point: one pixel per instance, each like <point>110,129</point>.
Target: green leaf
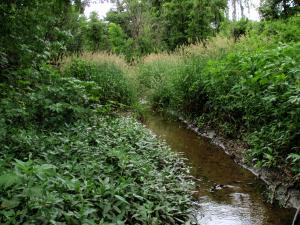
<point>9,179</point>
<point>121,199</point>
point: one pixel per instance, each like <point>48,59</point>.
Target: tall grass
<point>248,89</point>
<point>109,60</point>
<point>212,48</point>
<point>109,80</point>
<point>98,57</point>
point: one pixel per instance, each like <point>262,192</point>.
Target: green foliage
<point>42,97</point>
<point>294,158</point>
<point>154,78</point>
<point>45,100</point>
<point>239,29</point>
<point>274,9</point>
<point>110,83</point>
<point>152,26</point>
<point>249,91</point>
<point>106,82</point>
<point>279,30</point>
<point>117,38</point>
<point>102,170</point>
<point>191,21</point>
<point>120,16</point>
<point>50,30</point>
<point>34,31</point>
<point>67,157</point>
<point>96,33</point>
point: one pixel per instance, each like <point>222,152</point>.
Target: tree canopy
<point>274,9</point>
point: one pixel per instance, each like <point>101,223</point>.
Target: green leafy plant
<point>249,92</point>
<point>100,170</point>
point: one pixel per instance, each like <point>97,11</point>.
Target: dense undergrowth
<point>69,157</point>
<point>249,89</point>
<point>71,151</point>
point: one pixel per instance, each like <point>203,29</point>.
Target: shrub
<point>67,158</point>
<point>102,170</point>
<point>44,98</point>
<point>278,30</point>
<point>251,91</point>
<point>112,85</point>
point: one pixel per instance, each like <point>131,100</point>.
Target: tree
<point>205,19</point>
<point>35,31</point>
<point>190,21</point>
<point>136,20</point>
<point>77,43</point>
<point>117,38</point>
<point>175,15</point>
<point>96,33</point>
<point>274,9</point>
<point>119,16</point>
<point>153,25</point>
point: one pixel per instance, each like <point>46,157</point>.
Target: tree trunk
<point>234,2</point>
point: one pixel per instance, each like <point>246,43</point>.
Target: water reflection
<point>241,210</point>
<point>227,193</point>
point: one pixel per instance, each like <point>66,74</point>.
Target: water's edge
<point>284,193</point>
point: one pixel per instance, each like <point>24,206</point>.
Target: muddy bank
<point>282,187</point>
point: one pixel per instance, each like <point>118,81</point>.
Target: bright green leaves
<point>251,94</point>
<point>9,179</point>
<point>96,33</point>
<point>64,160</point>
<point>49,99</point>
<point>103,170</point>
<point>294,158</point>
<point>117,38</point>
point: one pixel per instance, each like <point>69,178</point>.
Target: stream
<point>226,193</point>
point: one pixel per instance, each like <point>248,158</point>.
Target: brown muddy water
<point>227,194</point>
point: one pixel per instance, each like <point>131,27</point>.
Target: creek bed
<point>226,193</point>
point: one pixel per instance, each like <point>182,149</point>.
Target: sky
<point>102,8</point>
<point>252,13</point>
<point>99,7</point>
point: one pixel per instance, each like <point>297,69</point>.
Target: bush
<point>239,29</point>
<point>66,157</point>
<point>44,98</point>
<point>249,91</point>
<point>112,84</point>
<point>47,98</point>
<point>278,30</point>
<point>101,171</point>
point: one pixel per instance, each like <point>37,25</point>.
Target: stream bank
<point>227,193</point>
<point>281,188</point>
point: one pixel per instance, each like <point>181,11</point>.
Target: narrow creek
<point>227,194</point>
